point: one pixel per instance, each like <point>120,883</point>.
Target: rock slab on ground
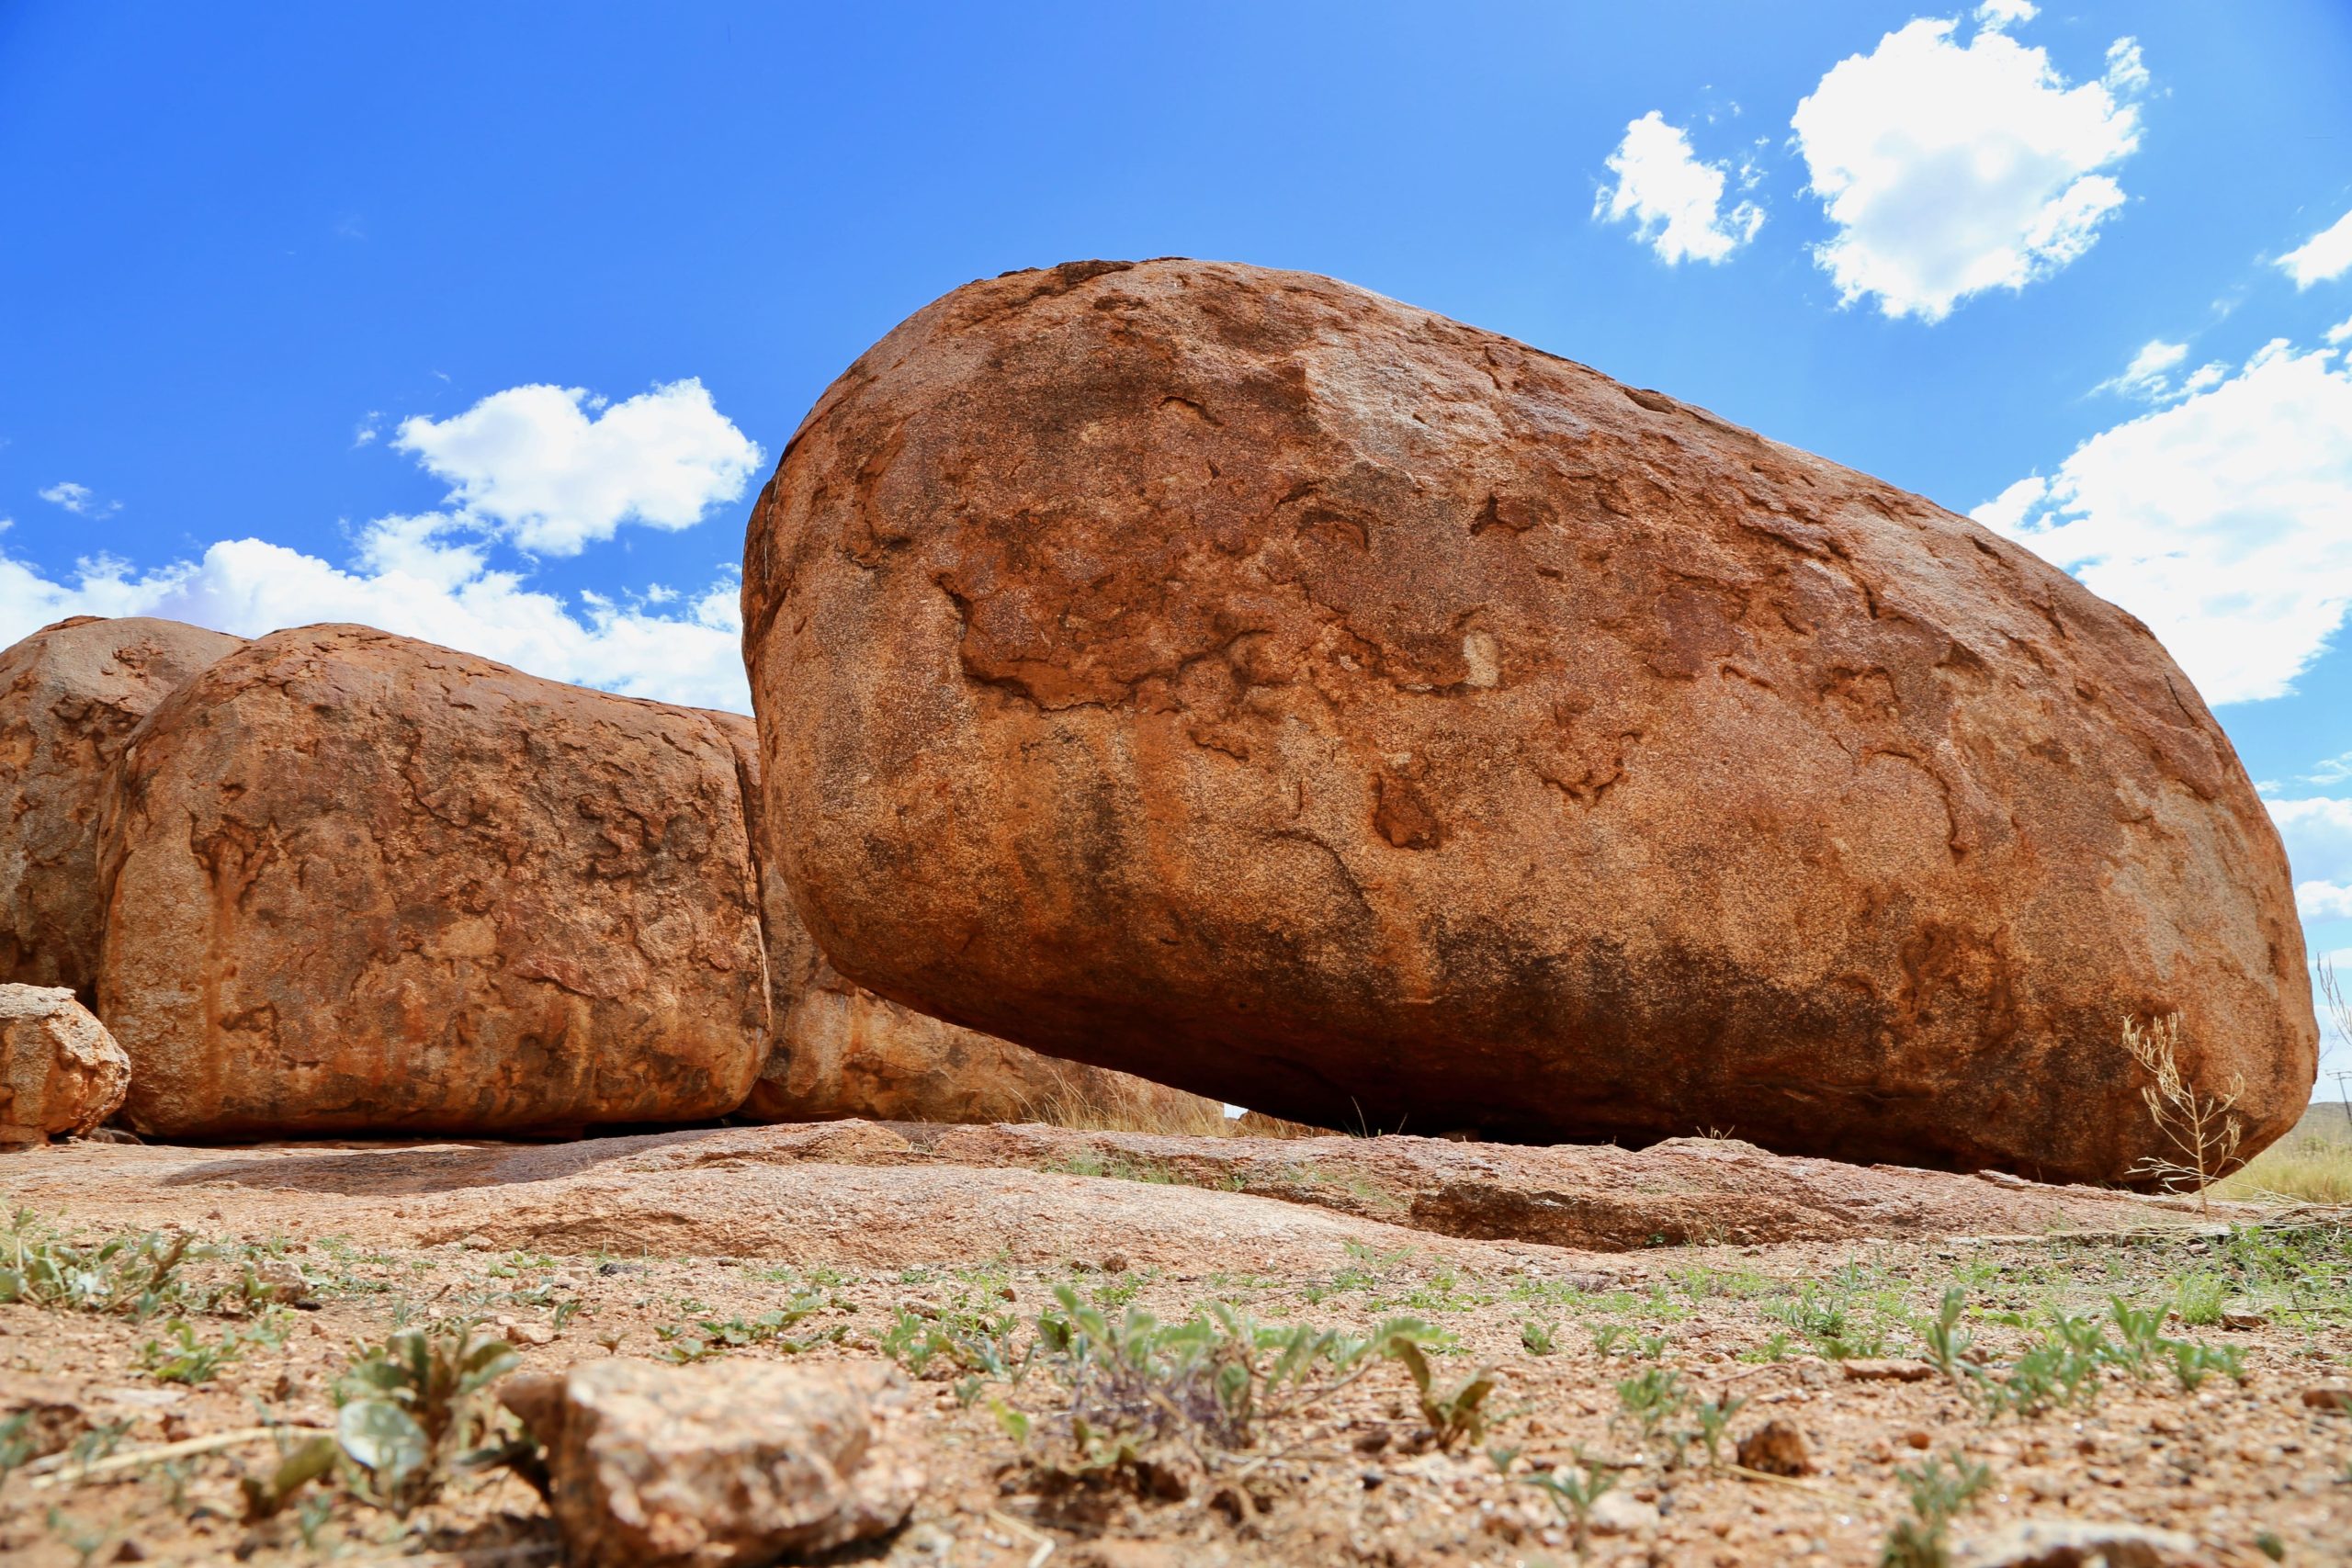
<point>851,1191</point>
<point>838,1050</point>
<point>60,1070</point>
<point>69,696</point>
<point>1237,677</point>
<point>358,881</point>
<point>719,1466</point>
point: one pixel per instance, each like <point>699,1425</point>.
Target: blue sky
<point>482,322</point>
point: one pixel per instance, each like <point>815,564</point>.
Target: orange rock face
<point>358,881</point>
<point>838,1050</point>
<point>1240,678</point>
<point>69,693</point>
<point>60,1070</point>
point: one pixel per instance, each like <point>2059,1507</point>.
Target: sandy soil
<point>891,1237</point>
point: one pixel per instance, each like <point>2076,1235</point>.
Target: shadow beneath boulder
<point>404,1170</point>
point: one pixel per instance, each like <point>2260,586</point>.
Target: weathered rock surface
<point>859,1193</point>
<point>837,1049</point>
<point>60,1070</point>
<point>358,881</point>
<point>1240,678</point>
<point>69,693</point>
<point>720,1465</point>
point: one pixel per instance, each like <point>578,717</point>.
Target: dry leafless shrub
<point>2203,1129</point>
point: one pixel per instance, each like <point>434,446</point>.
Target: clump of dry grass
<point>2304,1169</point>
<point>2313,1163</point>
<point>1118,1107</point>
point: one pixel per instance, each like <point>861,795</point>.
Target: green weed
<point>1574,1493</point>
<point>1937,1495</point>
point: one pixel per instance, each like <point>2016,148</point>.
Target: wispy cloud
<point>79,500</point>
<point>2325,257</point>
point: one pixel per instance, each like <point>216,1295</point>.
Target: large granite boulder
<point>1240,678</point>
<point>838,1050</point>
<point>69,693</point>
<point>60,1070</point>
<point>358,881</point>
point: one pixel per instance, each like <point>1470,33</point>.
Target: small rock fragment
<point>1866,1370</point>
<point>717,1466</point>
<point>60,1070</point>
<point>50,1410</point>
<point>2329,1396</point>
<point>1617,1514</point>
<point>2082,1543</point>
<point>281,1281</point>
<point>1776,1449</point>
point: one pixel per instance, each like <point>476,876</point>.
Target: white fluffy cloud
<point>529,468</point>
<point>408,580</point>
<point>2318,835</point>
<point>531,461</point>
<point>2326,255</point>
<point>2223,520</point>
<point>1674,201</point>
<point>1948,169</point>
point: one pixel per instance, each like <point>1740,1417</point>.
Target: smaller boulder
<point>60,1070</point>
<point>718,1466</point>
<point>69,694</point>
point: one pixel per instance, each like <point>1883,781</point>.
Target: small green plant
<point>181,1356</point>
<point>1574,1491</point>
<point>1650,1346</point>
<point>1949,1343</point>
<point>127,1275</point>
<point>1605,1338</point>
<point>1214,1380</point>
<point>1777,1346</point>
<point>298,1465</point>
<point>1937,1495</point>
<point>2193,1363</point>
<point>1714,1417</point>
<point>2139,1337</point>
<point>1828,1322</point>
<point>1538,1337</point>
<point>16,1442</point>
<point>83,1541</point>
<point>1458,1413</point>
<point>410,1405</point>
<point>1653,1400</point>
<point>712,1337</point>
<point>2201,1299</point>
